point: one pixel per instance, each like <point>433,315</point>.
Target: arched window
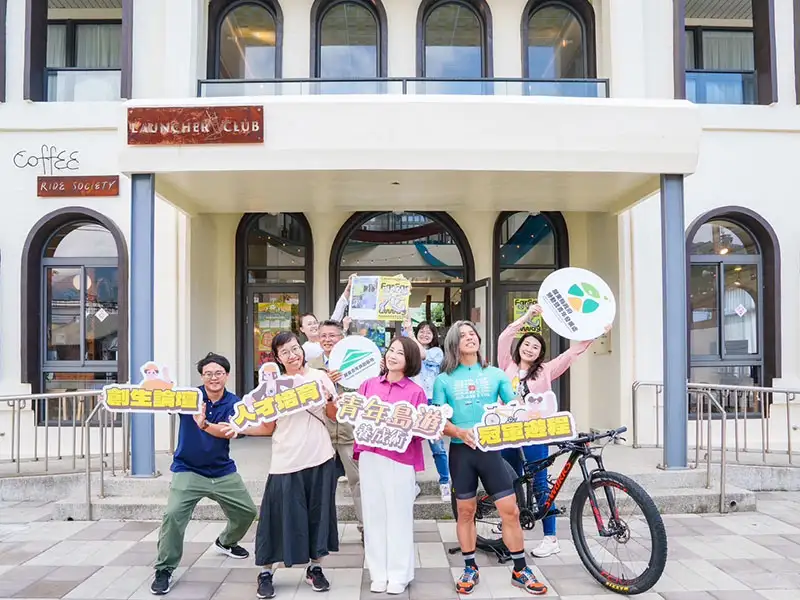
<point>455,40</point>
<point>527,248</point>
<point>349,39</point>
<point>732,276</point>
<point>75,267</point>
<point>244,39</point>
<point>558,42</point>
<point>274,285</point>
<point>430,249</point>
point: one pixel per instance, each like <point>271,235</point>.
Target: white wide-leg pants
<point>387,499</point>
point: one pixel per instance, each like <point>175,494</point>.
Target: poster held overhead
<point>577,304</point>
<point>521,306</point>
<point>394,294</point>
<point>364,298</point>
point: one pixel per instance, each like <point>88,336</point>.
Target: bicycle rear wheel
<point>624,530</point>
<point>487,519</point>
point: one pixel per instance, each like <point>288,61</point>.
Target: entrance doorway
<point>428,248</point>
<point>274,285</point>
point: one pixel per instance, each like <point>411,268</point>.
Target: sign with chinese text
<point>276,396</point>
<point>156,393</point>
<point>394,294</point>
<point>536,420</point>
<point>195,125</point>
<point>577,304</point>
<point>521,306</point>
<point>389,426</point>
<point>357,359</point>
<point>379,298</point>
<point>77,186</point>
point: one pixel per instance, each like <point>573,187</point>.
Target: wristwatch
<point>205,425</point>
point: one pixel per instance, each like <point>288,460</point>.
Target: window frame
<point>217,11</point>
<point>70,41</point>
<point>319,11</point>
<point>697,32</point>
<point>481,11</point>
<point>583,12</point>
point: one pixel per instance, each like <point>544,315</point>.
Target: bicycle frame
<point>579,453</point>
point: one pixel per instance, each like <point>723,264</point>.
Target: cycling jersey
<point>467,390</point>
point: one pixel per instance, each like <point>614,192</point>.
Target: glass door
<point>270,311</point>
<point>476,306</point>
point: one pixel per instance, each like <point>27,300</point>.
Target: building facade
<point>472,145</point>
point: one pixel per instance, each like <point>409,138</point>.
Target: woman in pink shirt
<point>388,477</point>
<point>530,374</point>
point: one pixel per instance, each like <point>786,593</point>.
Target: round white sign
<point>357,358</point>
<point>577,304</point>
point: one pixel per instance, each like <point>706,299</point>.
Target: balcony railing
<point>721,87</point>
<point>576,88</point>
<point>82,85</point>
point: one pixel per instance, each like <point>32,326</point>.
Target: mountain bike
<point>626,532</point>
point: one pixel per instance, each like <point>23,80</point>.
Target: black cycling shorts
<point>468,465</point>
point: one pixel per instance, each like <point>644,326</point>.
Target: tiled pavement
<point>745,556</point>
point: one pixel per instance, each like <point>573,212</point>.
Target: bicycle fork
<point>614,521</point>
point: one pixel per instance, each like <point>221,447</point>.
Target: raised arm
<point>506,339</point>
<point>344,300</point>
<point>408,329</point>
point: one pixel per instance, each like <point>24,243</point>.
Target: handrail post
<point>635,411</point>
<point>723,470</point>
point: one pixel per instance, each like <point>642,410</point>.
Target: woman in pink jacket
<point>530,374</point>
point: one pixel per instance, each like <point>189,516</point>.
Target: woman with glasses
<point>388,477</point>
<point>297,523</point>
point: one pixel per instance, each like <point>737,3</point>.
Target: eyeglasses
<point>296,350</point>
<point>214,375</point>
<point>331,336</point>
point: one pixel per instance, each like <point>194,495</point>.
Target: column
<point>673,266</point>
<point>623,21</point>
<point>143,204</point>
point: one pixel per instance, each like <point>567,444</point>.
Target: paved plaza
<point>741,556</point>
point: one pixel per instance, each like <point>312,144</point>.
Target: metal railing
<point>425,86</point>
<point>57,428</point>
<point>82,85</point>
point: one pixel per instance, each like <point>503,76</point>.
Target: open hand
<point>200,417</point>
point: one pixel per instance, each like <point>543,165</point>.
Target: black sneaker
<point>265,588</point>
<point>316,579</point>
<point>234,551</point>
<point>162,583</point>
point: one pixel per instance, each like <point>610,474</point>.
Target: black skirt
<point>297,522</point>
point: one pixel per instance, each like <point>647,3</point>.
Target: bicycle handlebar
<point>587,438</point>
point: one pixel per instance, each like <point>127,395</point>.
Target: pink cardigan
<point>551,370</point>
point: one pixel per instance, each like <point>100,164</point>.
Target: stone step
<point>159,486</point>
<point>139,508</point>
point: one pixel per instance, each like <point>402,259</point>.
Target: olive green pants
<point>186,490</point>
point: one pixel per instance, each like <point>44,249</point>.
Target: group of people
<point>297,519</point>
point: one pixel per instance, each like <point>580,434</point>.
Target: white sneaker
<point>416,490</point>
<point>444,489</point>
<point>395,589</point>
<point>377,587</point>
<point>548,547</point>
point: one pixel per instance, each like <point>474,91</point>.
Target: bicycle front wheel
<point>622,541</point>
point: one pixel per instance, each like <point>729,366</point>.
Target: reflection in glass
<point>453,42</point>
<point>247,43</point>
<point>740,309</point>
<point>409,243</point>
<point>272,313</point>
<point>741,375</point>
<point>555,44</point>
<point>81,240</point>
<point>723,238</point>
<point>348,43</point>
<point>278,240</point>
<point>526,239</point>
<point>63,314</point>
<point>101,297</point>
<point>703,297</point>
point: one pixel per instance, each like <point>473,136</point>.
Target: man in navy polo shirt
<point>202,468</point>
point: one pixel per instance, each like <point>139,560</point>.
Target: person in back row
<point>309,326</point>
<point>467,384</point>
<point>330,334</point>
<point>202,468</point>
